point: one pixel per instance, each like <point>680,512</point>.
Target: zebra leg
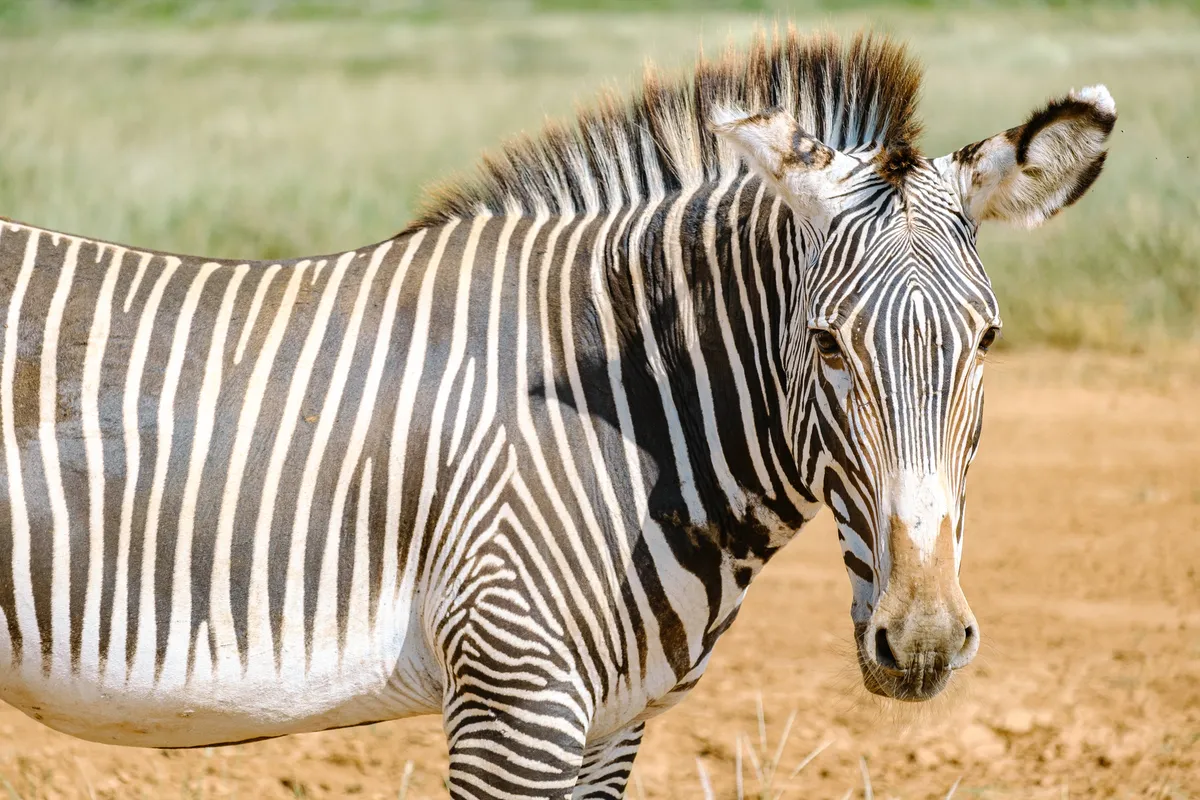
<point>607,764</point>
<point>505,744</point>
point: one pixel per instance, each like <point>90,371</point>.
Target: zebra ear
<point>1029,173</point>
<point>774,145</point>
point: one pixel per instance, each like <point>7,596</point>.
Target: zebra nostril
<point>883,651</point>
<point>969,647</point>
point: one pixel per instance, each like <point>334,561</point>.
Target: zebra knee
<point>607,765</point>
<point>501,746</point>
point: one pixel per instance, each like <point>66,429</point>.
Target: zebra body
<point>518,464</point>
<point>351,440</point>
<point>138,482</point>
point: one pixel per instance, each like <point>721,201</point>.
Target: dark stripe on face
<point>856,565</point>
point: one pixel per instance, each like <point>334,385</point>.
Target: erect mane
<point>859,95</point>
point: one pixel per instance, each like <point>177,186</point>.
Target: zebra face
<point>887,394</point>
<point>897,337</point>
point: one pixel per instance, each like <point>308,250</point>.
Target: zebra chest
<point>678,648</point>
<point>696,598</point>
<point>678,686</point>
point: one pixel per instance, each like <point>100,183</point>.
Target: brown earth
<point>1082,565</point>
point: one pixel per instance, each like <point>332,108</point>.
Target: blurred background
<point>266,129</point>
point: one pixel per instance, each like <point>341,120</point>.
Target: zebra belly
<point>228,703</point>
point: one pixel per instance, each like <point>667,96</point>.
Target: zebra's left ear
<point>1029,173</point>
<point>793,162</point>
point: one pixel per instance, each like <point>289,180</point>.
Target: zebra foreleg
<point>512,744</point>
<point>607,764</point>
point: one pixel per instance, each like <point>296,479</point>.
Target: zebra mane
<point>856,96</point>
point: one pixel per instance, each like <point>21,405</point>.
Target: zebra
<point>519,463</point>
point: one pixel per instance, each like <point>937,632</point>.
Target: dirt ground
<point>1082,565</point>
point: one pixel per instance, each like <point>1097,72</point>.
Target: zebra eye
<point>826,343</point>
<point>988,339</point>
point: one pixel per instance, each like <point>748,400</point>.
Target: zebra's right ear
<point>773,144</point>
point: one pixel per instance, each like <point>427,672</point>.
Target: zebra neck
<point>702,302</point>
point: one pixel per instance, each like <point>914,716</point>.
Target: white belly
<point>228,702</point>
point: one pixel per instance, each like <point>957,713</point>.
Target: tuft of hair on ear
<point>769,139</point>
<point>1092,107</point>
<point>895,162</point>
<point>724,118</point>
<point>1085,118</point>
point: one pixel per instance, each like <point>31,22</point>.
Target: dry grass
<point>759,771</point>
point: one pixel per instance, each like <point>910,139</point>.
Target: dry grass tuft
<point>763,762</point>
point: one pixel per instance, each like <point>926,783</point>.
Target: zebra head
<point>887,346</point>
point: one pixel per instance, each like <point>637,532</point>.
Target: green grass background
<point>260,129</point>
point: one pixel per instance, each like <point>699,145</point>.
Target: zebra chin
<point>924,679</point>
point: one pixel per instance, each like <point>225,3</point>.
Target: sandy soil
<point>1082,565</point>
